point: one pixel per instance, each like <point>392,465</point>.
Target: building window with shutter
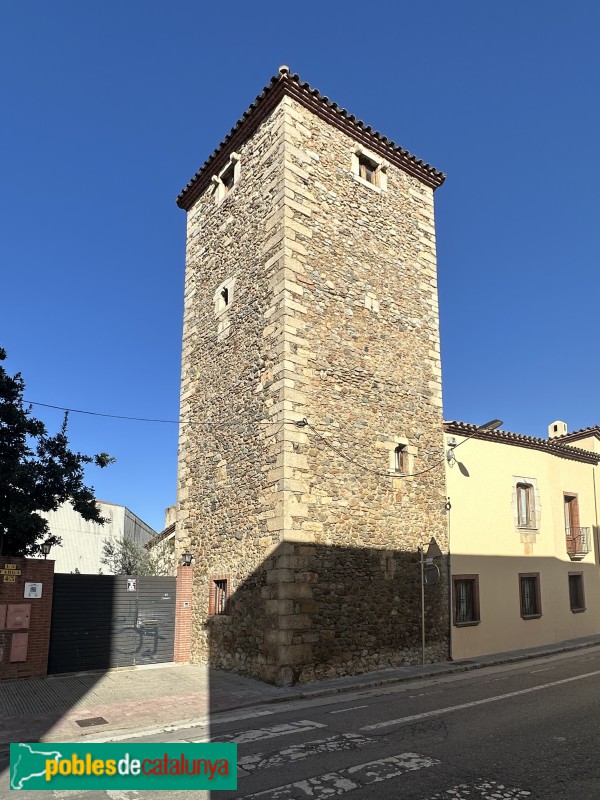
<point>525,505</point>
<point>530,597</point>
<point>466,599</point>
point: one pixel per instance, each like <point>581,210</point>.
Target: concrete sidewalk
<point>134,700</point>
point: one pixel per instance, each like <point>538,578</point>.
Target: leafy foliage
<point>38,472</point>
<point>125,557</point>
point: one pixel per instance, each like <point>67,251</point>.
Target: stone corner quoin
<point>330,314</point>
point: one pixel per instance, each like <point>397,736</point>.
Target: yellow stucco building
<point>523,532</point>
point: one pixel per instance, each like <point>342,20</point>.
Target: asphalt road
<point>527,730</point>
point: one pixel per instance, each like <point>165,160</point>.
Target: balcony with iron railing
<point>579,542</point>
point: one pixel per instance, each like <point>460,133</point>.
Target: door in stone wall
<point>104,621</point>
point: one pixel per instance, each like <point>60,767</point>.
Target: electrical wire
<point>305,424</point>
<point>150,419</point>
<point>99,414</point>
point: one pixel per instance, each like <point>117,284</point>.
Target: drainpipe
<point>448,509</point>
<point>597,555</point>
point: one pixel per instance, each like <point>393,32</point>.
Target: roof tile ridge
<point>579,431</point>
<point>284,77</point>
<point>551,444</point>
<point>361,124</point>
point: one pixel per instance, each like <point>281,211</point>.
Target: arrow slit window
<point>401,459</point>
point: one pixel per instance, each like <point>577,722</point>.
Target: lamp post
<point>46,549</point>
<point>186,558</point>
<point>487,426</point>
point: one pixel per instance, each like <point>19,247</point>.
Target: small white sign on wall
<point>33,590</point>
<point>131,584</point>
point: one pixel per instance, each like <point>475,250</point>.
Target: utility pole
<point>422,561</point>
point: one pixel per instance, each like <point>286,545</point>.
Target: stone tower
<point>311,385</point>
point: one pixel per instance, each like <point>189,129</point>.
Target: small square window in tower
<point>228,179</point>
<point>401,459</point>
<point>368,170</point>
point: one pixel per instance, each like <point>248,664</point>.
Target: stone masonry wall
<point>227,494</point>
<point>334,319</point>
<point>362,364</point>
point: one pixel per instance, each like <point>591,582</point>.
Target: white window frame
<point>534,503</point>
<point>220,190</point>
<point>381,166</point>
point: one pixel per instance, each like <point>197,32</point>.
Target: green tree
<point>38,472</point>
<point>126,557</point>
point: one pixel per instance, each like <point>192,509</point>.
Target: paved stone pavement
<point>133,700</point>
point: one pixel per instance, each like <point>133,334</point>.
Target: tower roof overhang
<point>290,85</point>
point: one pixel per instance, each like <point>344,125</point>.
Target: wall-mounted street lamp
<point>492,425</point>
<point>46,549</point>
<point>186,559</point>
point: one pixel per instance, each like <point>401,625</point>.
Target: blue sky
<point>109,108</point>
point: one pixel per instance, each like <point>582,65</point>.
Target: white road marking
<point>439,711</point>
<point>545,669</point>
<point>486,790</point>
<point>343,710</point>
<point>284,729</point>
<point>205,723</point>
<point>346,780</point>
<point>298,752</point>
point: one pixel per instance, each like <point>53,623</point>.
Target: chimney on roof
<point>170,515</point>
<point>557,429</point>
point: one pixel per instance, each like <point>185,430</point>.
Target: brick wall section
<point>183,614</point>
<point>11,594</point>
<point>335,319</point>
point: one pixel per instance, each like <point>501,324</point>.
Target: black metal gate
<point>103,621</point>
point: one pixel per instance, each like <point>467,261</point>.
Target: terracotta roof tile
<point>582,433</point>
<point>554,446</point>
<point>285,83</point>
<point>160,536</point>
